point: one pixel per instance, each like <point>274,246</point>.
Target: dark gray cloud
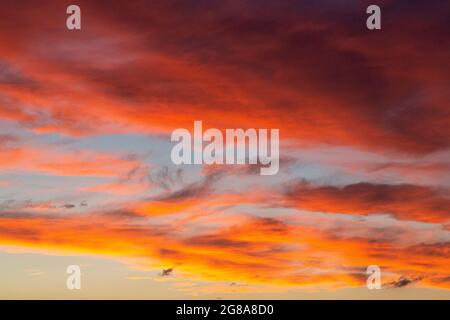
<point>6,140</point>
<point>166,178</point>
<point>166,272</point>
<point>403,281</point>
<point>68,206</point>
<point>194,190</point>
<point>11,75</point>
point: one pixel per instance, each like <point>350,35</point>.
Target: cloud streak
<point>363,117</point>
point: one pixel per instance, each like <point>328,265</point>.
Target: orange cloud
<point>66,163</point>
<point>314,74</point>
<point>253,250</point>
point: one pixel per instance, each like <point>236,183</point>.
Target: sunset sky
<point>86,176</point>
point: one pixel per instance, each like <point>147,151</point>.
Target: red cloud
<point>406,202</point>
